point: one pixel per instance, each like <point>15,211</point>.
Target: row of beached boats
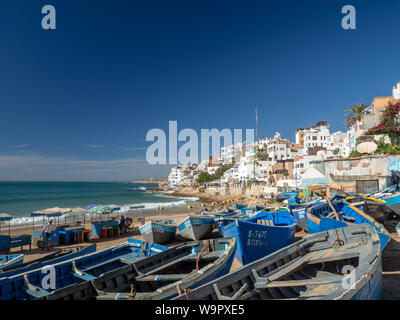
<point>340,257</point>
<point>315,267</point>
<point>164,231</point>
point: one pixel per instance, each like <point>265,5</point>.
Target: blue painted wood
<point>7,242</point>
<point>67,233</point>
<point>92,264</point>
<point>158,231</point>
<point>393,202</point>
<point>317,220</point>
<point>196,228</point>
<point>256,240</point>
<point>53,258</point>
<point>10,260</point>
<point>97,226</point>
<point>217,262</point>
<point>317,258</point>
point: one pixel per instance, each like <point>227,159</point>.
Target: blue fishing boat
<point>313,268</point>
<point>225,213</point>
<point>299,210</point>
<point>322,217</point>
<point>195,228</point>
<point>247,210</point>
<point>77,271</point>
<point>286,195</point>
<point>393,203</point>
<point>10,260</point>
<point>376,208</point>
<point>259,235</point>
<point>160,276</point>
<point>159,231</point>
<point>296,203</point>
<point>49,259</point>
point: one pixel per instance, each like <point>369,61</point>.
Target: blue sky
<point>76,102</point>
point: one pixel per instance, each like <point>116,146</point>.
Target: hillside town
<point>318,157</point>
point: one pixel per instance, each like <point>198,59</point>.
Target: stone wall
<point>347,171</point>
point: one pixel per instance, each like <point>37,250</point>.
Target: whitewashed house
<point>316,136</point>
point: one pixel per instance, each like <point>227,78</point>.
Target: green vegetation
<point>205,177</point>
<point>354,154</point>
<point>390,124</point>
<point>387,148</point>
<point>354,114</point>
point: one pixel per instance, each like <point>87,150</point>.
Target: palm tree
<point>354,113</point>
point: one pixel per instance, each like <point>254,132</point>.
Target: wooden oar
<point>301,283</point>
<point>332,207</point>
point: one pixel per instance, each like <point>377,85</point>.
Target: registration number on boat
<point>257,238</point>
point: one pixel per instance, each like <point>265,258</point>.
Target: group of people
<point>124,225</point>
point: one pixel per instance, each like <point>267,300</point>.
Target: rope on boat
<point>207,246</point>
<point>143,249</point>
<point>133,292</point>
<point>146,251</point>
<point>338,243</point>
<point>185,292</point>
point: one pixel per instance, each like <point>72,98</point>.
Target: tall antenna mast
<point>256,122</point>
<point>254,149</point>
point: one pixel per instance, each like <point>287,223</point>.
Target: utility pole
<point>256,122</point>
<point>254,148</point>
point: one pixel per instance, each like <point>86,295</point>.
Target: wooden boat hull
<point>256,240</point>
<point>398,229</point>
<point>10,260</point>
<point>315,267</point>
<point>393,202</point>
<point>55,257</point>
<point>196,228</point>
<point>28,285</point>
<point>301,218</point>
<point>142,280</point>
<point>376,208</point>
<point>159,233</point>
<point>317,220</point>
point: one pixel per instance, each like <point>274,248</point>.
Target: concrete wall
<point>345,171</point>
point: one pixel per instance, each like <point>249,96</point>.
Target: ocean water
<point>21,198</point>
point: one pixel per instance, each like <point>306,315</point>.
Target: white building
<point>396,91</point>
<point>231,175</point>
<point>335,143</point>
<point>279,149</point>
<point>302,164</point>
<point>231,153</point>
<point>316,136</point>
<point>175,177</point>
<point>246,167</point>
<point>312,177</point>
<point>212,169</point>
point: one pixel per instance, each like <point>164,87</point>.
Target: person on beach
<point>395,179</point>
<point>48,229</point>
<point>121,224</point>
